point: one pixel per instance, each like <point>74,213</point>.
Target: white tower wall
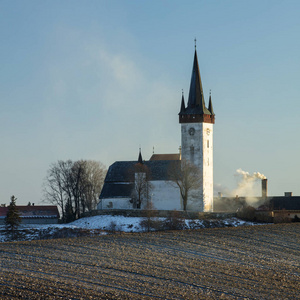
<point>197,147</point>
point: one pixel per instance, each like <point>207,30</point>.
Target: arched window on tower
<point>192,150</point>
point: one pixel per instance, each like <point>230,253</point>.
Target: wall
<point>117,203</point>
<point>41,221</point>
<point>280,216</point>
<point>202,156</point>
<point>165,196</point>
<point>159,213</point>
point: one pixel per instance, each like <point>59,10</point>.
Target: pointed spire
<point>140,159</point>
<point>196,97</point>
<point>182,108</point>
<point>210,106</point>
<point>196,111</point>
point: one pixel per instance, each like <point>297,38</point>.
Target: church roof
<point>182,108</point>
<point>123,171</point>
<point>210,107</point>
<point>196,104</point>
<point>175,156</point>
<point>196,111</point>
<point>119,180</point>
<point>140,159</point>
<point>115,190</point>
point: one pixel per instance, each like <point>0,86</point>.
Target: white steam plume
<point>248,188</point>
<point>248,184</point>
<point>248,176</point>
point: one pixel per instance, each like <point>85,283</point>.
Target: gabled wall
<point>165,196</point>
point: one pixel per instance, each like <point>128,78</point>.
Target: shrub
<point>174,221</point>
<point>149,223</point>
<point>296,219</point>
<point>247,213</point>
<point>113,227</point>
<point>282,218</point>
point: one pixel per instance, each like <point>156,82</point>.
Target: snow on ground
<point>127,224</point>
<point>117,223</point>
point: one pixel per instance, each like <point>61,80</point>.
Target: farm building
<point>31,214</point>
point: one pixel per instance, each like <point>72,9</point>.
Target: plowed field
<point>255,262</point>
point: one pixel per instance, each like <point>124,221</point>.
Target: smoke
<point>248,191</point>
<point>247,176</point>
<point>248,185</point>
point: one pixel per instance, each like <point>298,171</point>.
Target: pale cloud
<point>109,102</point>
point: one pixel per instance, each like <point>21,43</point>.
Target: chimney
<point>288,194</point>
<point>264,188</point>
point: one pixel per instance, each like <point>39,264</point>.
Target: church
<point>136,184</point>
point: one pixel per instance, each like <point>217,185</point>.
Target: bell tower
<point>197,140</point>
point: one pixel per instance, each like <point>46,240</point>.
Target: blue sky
<point>98,79</point>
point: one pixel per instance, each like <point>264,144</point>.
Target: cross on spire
<point>195,43</point>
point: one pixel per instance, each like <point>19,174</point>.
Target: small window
<point>207,143</point>
<point>192,154</point>
<point>192,149</point>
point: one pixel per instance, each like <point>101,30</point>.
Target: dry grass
<point>258,262</point>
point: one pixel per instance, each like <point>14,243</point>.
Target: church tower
<point>197,140</point>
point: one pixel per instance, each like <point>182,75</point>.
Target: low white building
<point>123,183</point>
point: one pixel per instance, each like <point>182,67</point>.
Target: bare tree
<point>74,186</point>
<point>55,187</point>
<point>148,222</point>
<point>186,176</point>
<point>95,175</point>
<point>142,186</point>
<point>77,186</point>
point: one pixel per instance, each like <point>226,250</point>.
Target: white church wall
<point>115,203</point>
<point>165,196</point>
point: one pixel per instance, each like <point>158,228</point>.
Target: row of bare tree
<point>74,186</point>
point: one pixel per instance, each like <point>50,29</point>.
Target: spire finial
<point>182,92</point>
<point>153,150</point>
<point>195,43</point>
<point>209,93</point>
<point>140,159</point>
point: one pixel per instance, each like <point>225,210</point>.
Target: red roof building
<point>31,214</point>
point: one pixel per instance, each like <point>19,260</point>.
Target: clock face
<point>192,131</point>
<point>207,131</point>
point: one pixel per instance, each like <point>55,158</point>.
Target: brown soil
<point>255,262</point>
